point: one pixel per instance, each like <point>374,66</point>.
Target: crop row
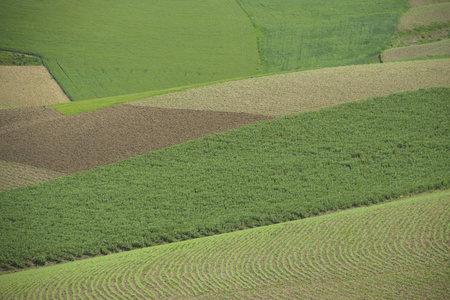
<point>274,171</point>
<point>396,249</point>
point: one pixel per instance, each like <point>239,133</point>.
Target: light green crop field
<point>96,49</point>
<point>99,48</point>
<point>396,250</point>
<point>274,171</point>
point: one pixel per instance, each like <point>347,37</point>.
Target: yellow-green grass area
<point>14,175</point>
<point>430,50</point>
<point>425,15</point>
<point>291,93</point>
<point>28,86</point>
<point>394,250</point>
<point>99,49</point>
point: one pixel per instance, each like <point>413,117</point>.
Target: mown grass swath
<point>305,34</point>
<point>96,49</point>
<point>393,250</point>
<point>275,171</point>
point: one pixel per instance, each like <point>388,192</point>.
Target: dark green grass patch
<point>274,171</point>
<point>8,58</point>
<point>309,34</point>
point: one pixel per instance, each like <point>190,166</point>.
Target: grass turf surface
<point>393,250</point>
<point>95,49</point>
<point>285,169</point>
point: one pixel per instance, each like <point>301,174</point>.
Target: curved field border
<point>396,250</point>
<point>22,86</point>
<point>291,93</point>
<point>14,175</point>
<point>441,48</point>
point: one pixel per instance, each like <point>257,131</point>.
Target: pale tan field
<point>418,51</point>
<point>415,3</point>
<point>284,94</point>
<point>425,15</point>
<point>14,175</point>
<point>22,86</point>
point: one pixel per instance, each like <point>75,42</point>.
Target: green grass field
<point>396,250</point>
<point>96,49</point>
<point>274,171</point>
<point>311,34</point>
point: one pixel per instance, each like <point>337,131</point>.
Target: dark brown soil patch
<point>43,138</point>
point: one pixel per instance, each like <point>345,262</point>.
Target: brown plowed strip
<point>76,143</point>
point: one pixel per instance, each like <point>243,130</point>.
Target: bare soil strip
<point>22,86</point>
<point>46,139</point>
<point>415,3</point>
<point>425,15</point>
<point>14,175</point>
<point>290,93</point>
<point>418,51</point>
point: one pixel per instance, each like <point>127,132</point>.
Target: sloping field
<point>290,93</point>
<point>397,250</point>
<point>273,171</point>
<point>430,50</point>
<point>311,34</point>
<point>425,15</point>
<point>96,49</point>
<point>28,86</point>
<point>46,139</point>
<point>14,175</point>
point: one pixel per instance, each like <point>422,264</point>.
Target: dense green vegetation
<point>274,171</point>
<point>96,49</point>
<point>395,250</point>
<point>305,34</point>
<point>8,58</point>
<point>99,49</point>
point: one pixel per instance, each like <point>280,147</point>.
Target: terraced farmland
<point>273,171</point>
<point>393,250</point>
<point>154,45</point>
<point>290,93</point>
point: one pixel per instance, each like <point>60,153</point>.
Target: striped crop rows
<point>13,175</point>
<point>398,249</point>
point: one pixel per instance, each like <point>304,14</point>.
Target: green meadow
<point>275,171</point>
<point>396,250</point>
<point>97,49</point>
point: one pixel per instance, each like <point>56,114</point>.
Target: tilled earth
<point>44,138</point>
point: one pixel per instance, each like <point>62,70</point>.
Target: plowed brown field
<point>44,138</point>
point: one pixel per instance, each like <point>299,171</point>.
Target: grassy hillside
<point>285,169</point>
<point>425,51</point>
<point>99,48</point>
<point>305,34</point>
<point>96,49</point>
<point>396,250</point>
